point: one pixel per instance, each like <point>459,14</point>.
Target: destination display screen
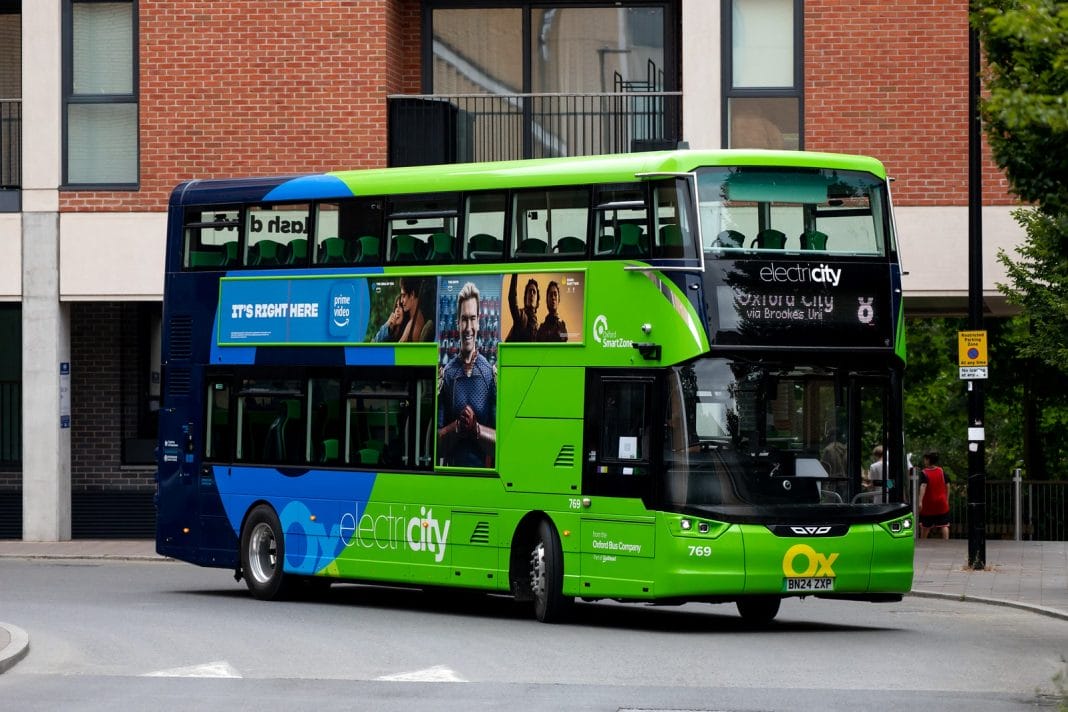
<point>800,303</point>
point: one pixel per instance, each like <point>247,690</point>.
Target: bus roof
<point>581,170</point>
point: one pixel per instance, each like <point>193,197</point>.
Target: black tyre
<point>547,576</point>
<point>759,610</point>
<point>262,554</point>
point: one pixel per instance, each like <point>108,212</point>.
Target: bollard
<point>1017,505</point>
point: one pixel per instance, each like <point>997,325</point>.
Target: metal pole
<point>1017,505</point>
<point>976,403</point>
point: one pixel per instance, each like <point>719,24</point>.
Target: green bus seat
<point>570,246</point>
<point>332,251</point>
<point>484,247</point>
<point>630,241</point>
<point>367,249</point>
<point>770,239</point>
<point>329,451</point>
<point>441,247</point>
<point>265,253</point>
<point>297,251</point>
<point>671,241</point>
<point>204,258</point>
<point>729,238</point>
<point>531,246</point>
<point>813,240</point>
<point>406,248</point>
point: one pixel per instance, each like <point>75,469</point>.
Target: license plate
<point>823,583</point>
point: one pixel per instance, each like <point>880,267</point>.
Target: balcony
<point>10,154</point>
<point>459,128</point>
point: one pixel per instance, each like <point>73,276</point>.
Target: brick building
<point>105,106</point>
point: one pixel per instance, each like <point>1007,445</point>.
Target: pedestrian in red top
<point>934,497</point>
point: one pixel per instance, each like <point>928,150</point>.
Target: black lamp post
<point>976,403</point>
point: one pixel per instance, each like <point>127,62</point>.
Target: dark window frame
<point>797,91</point>
<point>234,377</point>
<point>70,98</point>
<point>672,44</point>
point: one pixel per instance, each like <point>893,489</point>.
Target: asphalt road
<point>108,635</point>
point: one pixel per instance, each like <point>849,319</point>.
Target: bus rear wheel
<point>262,554</point>
<point>547,576</point>
<point>759,610</point>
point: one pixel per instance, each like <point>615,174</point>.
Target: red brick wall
<point>99,382</point>
<point>890,79</point>
<point>261,88</point>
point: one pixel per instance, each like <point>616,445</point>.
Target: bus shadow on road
<point>687,618</point>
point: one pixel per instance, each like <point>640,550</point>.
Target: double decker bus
<point>654,378</point>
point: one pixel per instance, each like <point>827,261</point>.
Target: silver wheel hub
<point>538,575</point>
<point>262,553</point>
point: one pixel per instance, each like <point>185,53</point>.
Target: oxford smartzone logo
<point>606,337</point>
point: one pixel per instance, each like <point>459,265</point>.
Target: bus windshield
<point>785,209</point>
<point>751,434</point>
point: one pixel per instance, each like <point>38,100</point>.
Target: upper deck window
<point>276,235</point>
<point>549,222</point>
<point>211,238</point>
<point>775,210</point>
<point>422,228</point>
<point>621,221</point>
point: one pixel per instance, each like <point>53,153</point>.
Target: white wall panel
<point>111,256</point>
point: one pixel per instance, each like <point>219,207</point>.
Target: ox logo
<point>816,564</point>
<point>810,531</point>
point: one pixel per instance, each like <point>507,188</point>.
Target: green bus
<point>654,377</point>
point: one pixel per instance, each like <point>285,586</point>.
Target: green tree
<point>1026,402</point>
<point>1025,116</point>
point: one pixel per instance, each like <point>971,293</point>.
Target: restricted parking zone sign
<point>972,354</point>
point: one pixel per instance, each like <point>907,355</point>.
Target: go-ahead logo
<point>814,563</point>
<point>606,337</point>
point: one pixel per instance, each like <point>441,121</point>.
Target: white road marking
<point>438,673</point>
<point>219,668</point>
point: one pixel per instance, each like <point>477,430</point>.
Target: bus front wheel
<point>759,610</point>
<point>262,553</point>
<point>547,576</point>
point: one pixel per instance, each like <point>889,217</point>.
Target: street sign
<point>972,354</point>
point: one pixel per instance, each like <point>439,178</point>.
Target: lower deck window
<point>378,419</point>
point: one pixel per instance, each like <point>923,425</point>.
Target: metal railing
<point>10,143</point>
<point>10,422</point>
<point>1017,509</point>
<point>457,128</point>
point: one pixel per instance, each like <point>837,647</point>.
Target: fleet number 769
<point>700,551</point>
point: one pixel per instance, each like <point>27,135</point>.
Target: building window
<point>100,93</point>
<point>762,74</point>
<point>542,78</point>
<point>536,46</point>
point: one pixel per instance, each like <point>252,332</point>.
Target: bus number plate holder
<point>823,583</point>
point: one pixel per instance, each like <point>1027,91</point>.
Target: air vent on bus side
<point>481,534</point>
<point>566,457</point>
<point>181,338</point>
<point>179,380</point>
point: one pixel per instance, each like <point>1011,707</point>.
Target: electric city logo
<point>800,274</point>
<point>385,529</point>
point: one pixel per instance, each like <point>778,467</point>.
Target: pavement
<point>1029,575</point>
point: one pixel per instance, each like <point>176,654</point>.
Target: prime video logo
<point>342,304</point>
<point>799,274</point>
